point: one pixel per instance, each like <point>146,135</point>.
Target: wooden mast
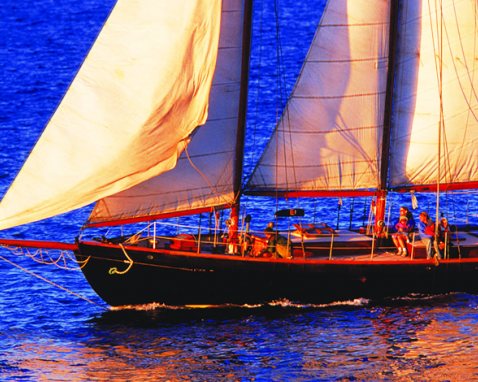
<point>240,137</point>
<point>385,158</point>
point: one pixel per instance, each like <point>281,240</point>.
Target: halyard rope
<point>114,270</point>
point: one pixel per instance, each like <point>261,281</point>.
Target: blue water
<point>50,333</point>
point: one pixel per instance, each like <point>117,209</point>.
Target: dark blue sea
<point>53,327</point>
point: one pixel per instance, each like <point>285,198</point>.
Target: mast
<point>246,45</point>
<point>385,158</point>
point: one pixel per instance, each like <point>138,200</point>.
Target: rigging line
<point>439,73</point>
<point>287,136</point>
<point>472,88</point>
<point>473,92</point>
<point>257,93</point>
<point>206,179</point>
<point>256,154</point>
<point>279,55</point>
<point>434,38</point>
<point>38,257</point>
<point>441,123</point>
<point>49,281</point>
<point>284,121</point>
<point>442,138</point>
<point>281,95</point>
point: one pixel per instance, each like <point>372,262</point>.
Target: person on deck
<point>231,236</point>
<point>404,226</point>
<point>277,245</point>
<point>426,229</point>
<point>443,239</point>
<point>271,242</point>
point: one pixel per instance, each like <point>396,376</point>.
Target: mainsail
<point>204,175</point>
<point>329,137</point>
<point>142,90</point>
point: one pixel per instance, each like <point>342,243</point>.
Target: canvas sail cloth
<point>433,40</point>
<point>329,137</point>
<point>142,90</point>
<point>204,175</point>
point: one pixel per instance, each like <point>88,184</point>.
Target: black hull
<point>175,278</point>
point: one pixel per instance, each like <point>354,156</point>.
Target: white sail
<point>436,40</point>
<point>204,174</point>
<point>142,90</point>
<point>329,137</point>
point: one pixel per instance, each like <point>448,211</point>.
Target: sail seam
<point>353,25</point>
<point>341,96</point>
<point>302,132</point>
<point>348,60</point>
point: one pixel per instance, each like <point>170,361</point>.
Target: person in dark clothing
<point>277,245</point>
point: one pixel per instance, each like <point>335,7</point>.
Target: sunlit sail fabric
<point>448,43</point>
<point>142,90</point>
<point>329,137</point>
<point>204,173</point>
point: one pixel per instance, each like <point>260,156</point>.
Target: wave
<point>282,303</point>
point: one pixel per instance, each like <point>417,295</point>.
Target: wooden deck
<point>352,246</point>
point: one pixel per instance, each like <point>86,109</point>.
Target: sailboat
<point>153,128</point>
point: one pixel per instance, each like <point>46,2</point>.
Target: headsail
<point>205,172</point>
<point>436,41</point>
<point>329,137</point>
<point>140,93</point>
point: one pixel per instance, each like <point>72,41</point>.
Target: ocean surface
<point>53,327</point>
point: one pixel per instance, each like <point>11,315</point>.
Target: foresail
<point>329,137</point>
<point>204,176</point>
<point>142,90</point>
<point>436,41</point>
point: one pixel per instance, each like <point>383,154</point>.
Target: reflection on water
<point>400,339</point>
